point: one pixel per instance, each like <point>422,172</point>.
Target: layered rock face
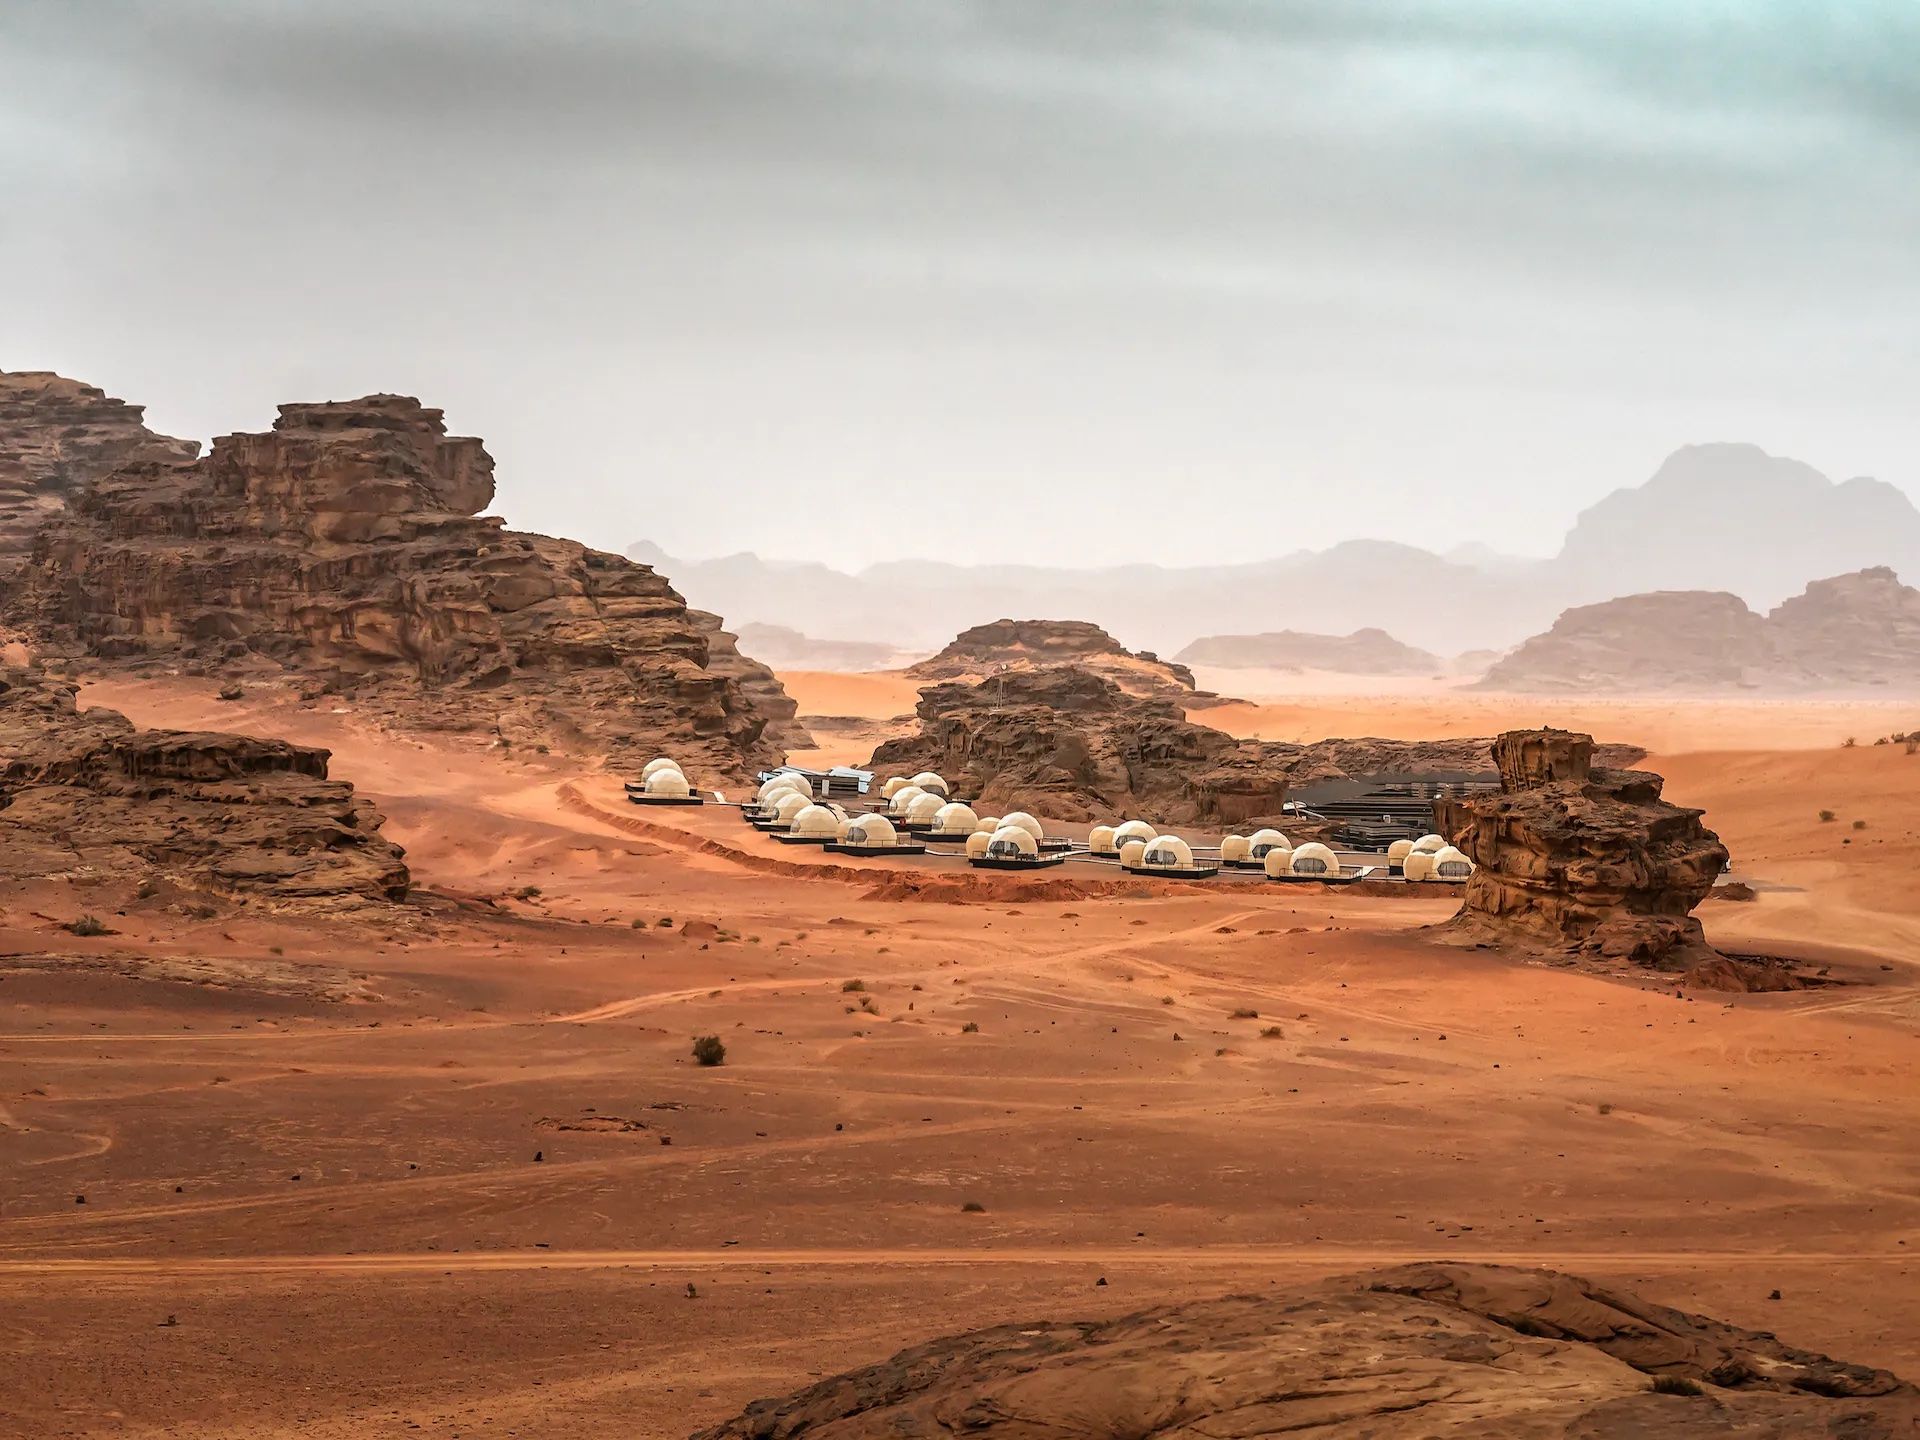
<point>1364,652</point>
<point>1415,1353</point>
<point>757,682</point>
<point>1070,744</point>
<point>1012,646</point>
<point>345,544</point>
<point>1850,632</point>
<point>83,794</point>
<point>56,435</point>
<point>1579,860</point>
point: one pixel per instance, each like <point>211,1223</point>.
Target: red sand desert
<point>459,1175</point>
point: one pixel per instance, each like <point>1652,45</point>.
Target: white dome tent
<point>1169,855</point>
<point>898,802</point>
<point>1279,863</point>
<point>1397,853</point>
<point>1100,842</point>
<point>1428,845</point>
<point>928,780</point>
<point>1128,830</point>
<point>1314,860</point>
<point>1419,866</point>
<point>1261,841</point>
<point>1451,864</point>
<point>1132,853</point>
<point>811,825</point>
<point>953,821</point>
<point>654,767</point>
<point>666,786</point>
<point>1020,820</point>
<point>893,785</point>
<point>977,844</point>
<point>1013,847</point>
<point>1234,849</point>
<point>924,807</point>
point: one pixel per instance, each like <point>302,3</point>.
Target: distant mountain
<point>1849,632</point>
<point>785,648</point>
<point>1734,518</point>
<point>1364,652</point>
<point>1718,517</point>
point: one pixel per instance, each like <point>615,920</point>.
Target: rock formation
<point>1364,652</point>
<point>1070,744</point>
<point>1849,632</point>
<point>345,544</point>
<point>757,682</point>
<point>1011,646</point>
<point>86,796</point>
<point>1578,860</point>
<point>788,649</point>
<point>1415,1353</point>
<point>55,436</point>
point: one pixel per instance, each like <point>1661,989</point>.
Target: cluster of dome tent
<point>909,812</point>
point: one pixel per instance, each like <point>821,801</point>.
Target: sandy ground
<point>457,1175</point>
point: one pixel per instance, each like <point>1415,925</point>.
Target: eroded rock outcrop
<point>1070,744</point>
<point>86,795</point>
<point>1576,859</point>
<point>1015,646</point>
<point>345,545</point>
<point>1850,632</point>
<point>56,435</point>
<point>1415,1353</point>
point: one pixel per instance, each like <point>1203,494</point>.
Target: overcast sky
<point>1066,281</point>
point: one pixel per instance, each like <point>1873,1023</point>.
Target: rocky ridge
<point>1072,745</point>
<point>1415,1353</point>
<point>86,796</point>
<point>1579,860</point>
<point>56,435</point>
<point>345,548</point>
<point>1004,647</point>
<point>1369,651</point>
<point>1848,632</point>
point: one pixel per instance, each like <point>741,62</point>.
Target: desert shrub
<point>709,1050</point>
<point>973,1207</point>
<point>1849,743</point>
<point>87,925</point>
<point>972,1027</point>
<point>1859,824</point>
<point>1272,1032</point>
<point>528,892</point>
<point>1827,817</point>
<point>665,922</point>
<point>852,987</point>
<point>1243,1013</point>
<point>1675,1385</point>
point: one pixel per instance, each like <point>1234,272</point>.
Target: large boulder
<point>1576,859</point>
<point>1415,1353</point>
<point>344,545</point>
<point>85,795</point>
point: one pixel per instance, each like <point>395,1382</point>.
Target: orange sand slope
<point>459,1176</point>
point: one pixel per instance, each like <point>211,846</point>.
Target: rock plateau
<point>1365,652</point>
<point>345,547</point>
<point>1004,647</point>
<point>1415,1353</point>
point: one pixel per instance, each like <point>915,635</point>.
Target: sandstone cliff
<point>55,436</point>
<point>1420,1352</point>
<point>1577,860</point>
<point>1846,633</point>
<point>1012,646</point>
<point>86,796</point>
<point>1071,744</point>
<point>345,545</point>
<point>1364,652</point>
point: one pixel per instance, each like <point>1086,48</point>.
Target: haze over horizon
<point>993,282</point>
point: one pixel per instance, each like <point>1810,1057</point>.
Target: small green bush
<point>87,925</point>
<point>709,1050</point>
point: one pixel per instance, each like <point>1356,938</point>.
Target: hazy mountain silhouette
<point>1724,517</point>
